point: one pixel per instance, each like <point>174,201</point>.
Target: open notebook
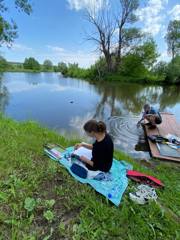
<point>82,151</point>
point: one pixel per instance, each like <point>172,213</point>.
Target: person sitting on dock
<point>151,115</point>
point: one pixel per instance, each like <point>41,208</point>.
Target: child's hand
<point>83,159</point>
<point>78,145</point>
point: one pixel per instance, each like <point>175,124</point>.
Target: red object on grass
<point>143,178</point>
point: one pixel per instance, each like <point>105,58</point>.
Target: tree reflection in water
<point>120,107</point>
<point>4,96</point>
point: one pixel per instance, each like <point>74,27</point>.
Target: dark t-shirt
<point>102,154</point>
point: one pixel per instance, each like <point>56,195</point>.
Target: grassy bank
<point>40,200</point>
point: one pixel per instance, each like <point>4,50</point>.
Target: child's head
<point>92,127</point>
<point>147,107</point>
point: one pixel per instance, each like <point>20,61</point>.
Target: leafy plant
<point>29,204</point>
<point>49,215</point>
<point>49,203</point>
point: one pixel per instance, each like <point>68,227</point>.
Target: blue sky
<point>56,29</point>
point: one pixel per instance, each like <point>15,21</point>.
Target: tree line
<point>126,53</point>
<point>30,64</point>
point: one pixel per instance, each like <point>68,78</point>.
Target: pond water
<point>65,104</point>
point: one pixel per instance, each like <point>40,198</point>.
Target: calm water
<point>65,104</point>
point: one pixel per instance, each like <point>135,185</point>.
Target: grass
<point>40,200</point>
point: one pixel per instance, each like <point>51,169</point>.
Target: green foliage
<point>32,64</point>
<point>24,6</point>
<point>173,71</point>
<point>49,203</point>
<point>147,53</point>
<point>73,70</point>
<point>137,64</point>
<point>3,64</point>
<point>130,35</point>
<point>99,70</point>
<point>62,67</point>
<point>49,216</point>
<point>8,30</point>
<point>47,65</point>
<point>173,38</point>
<point>160,70</point>
<point>133,66</point>
<point>29,204</point>
<point>77,214</point>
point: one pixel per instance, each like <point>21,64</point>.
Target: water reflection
<point>65,104</point>
<point>4,95</point>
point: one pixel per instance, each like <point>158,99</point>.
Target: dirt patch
<point>48,190</point>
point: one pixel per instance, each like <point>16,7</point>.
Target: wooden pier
<point>168,126</point>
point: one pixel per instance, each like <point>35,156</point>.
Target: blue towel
<point>112,189</point>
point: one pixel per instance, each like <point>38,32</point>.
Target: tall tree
<point>32,64</point>
<point>126,35</point>
<point>104,28</point>
<point>173,38</point>
<point>47,65</point>
<point>113,31</point>
<point>3,64</point>
<point>8,29</point>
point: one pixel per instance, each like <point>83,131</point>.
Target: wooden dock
<point>168,125</point>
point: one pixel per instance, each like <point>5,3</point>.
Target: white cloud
<point>152,16</point>
<point>92,5</point>
<point>175,12</point>
<point>20,86</point>
<point>58,54</point>
<point>60,88</point>
<point>55,48</point>
<point>20,47</point>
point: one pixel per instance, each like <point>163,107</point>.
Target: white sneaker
<point>143,194</point>
<point>138,199</point>
<point>147,192</point>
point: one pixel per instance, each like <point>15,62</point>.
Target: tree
<point>3,64</point>
<point>31,63</point>
<point>47,65</point>
<point>147,52</point>
<point>112,32</point>
<point>173,71</point>
<point>8,30</point>
<point>173,38</point>
<point>104,29</point>
<point>160,69</point>
<point>62,67</point>
<point>139,62</point>
<point>126,35</point>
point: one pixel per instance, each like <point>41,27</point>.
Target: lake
<point>65,104</point>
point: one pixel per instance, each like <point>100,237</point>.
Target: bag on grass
<point>143,178</point>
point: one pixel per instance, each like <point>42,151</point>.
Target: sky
<point>57,30</point>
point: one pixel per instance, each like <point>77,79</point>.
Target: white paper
<point>82,151</point>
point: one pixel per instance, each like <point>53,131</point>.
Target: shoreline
<point>37,198</point>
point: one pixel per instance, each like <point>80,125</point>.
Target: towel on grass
<point>112,185</point>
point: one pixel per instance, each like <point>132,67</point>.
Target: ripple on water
<point>127,137</point>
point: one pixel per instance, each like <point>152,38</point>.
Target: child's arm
<point>85,145</point>
<point>87,161</point>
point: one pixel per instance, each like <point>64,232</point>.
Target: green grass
<point>40,200</point>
